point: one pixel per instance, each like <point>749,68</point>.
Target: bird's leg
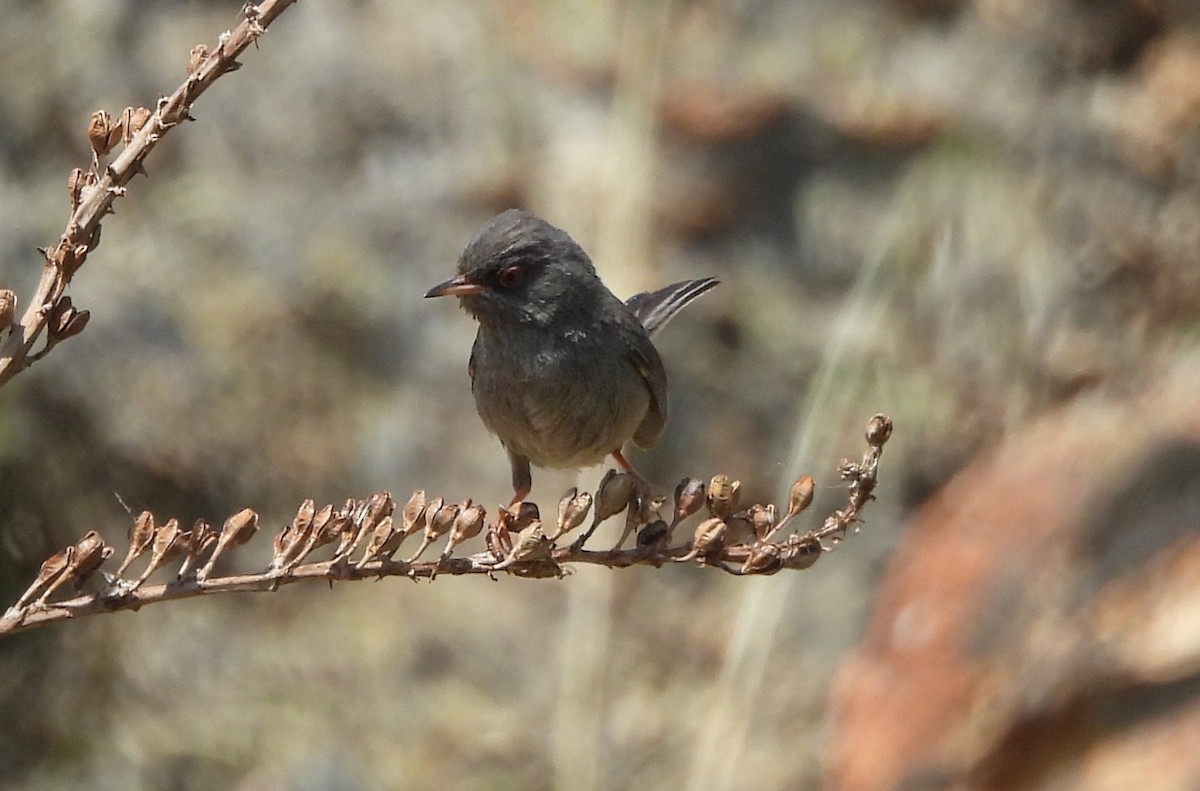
<point>522,479</point>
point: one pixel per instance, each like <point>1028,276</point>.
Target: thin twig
<point>93,193</point>
<point>737,542</point>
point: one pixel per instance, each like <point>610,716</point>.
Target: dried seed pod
<point>168,541</point>
<point>801,496</point>
<point>87,555</point>
<point>467,525</point>
<point>531,544</point>
<point>90,552</point>
<point>320,534</point>
<point>198,55</point>
<point>199,539</point>
<point>708,538</point>
<point>238,529</point>
<point>879,430</point>
<point>689,497</point>
<point>52,568</point>
<point>437,525</point>
<point>764,558</point>
<point>652,535</point>
<point>8,308</point>
<point>723,495</point>
<point>347,529</point>
<point>384,541</point>
<point>572,510</point>
<point>141,536</point>
<point>633,519</point>
<point>367,515</point>
<point>412,511</point>
<point>75,324</point>
<point>762,519</point>
<point>76,181</point>
<point>103,133</point>
<point>133,119</point>
<point>614,494</point>
<point>60,316</point>
<point>292,541</point>
<point>379,505</point>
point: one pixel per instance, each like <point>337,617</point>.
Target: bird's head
<point>520,269</point>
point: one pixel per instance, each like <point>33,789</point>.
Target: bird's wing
<point>655,308</point>
<point>647,362</point>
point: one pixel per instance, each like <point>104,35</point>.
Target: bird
<point>562,371</point>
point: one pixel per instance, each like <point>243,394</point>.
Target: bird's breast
<point>562,400</point>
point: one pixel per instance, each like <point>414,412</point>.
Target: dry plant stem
<point>528,553</point>
<point>82,233</point>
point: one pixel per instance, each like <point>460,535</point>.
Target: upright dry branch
<point>93,192</point>
<point>740,542</point>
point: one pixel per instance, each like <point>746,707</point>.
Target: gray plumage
<point>562,371</point>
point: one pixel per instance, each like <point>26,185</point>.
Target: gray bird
<point>562,371</point>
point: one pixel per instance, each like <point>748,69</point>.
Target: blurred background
<point>978,216</point>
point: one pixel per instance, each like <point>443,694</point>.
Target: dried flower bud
<point>708,538</point>
<point>616,490</point>
<point>52,568</point>
<point>572,510</point>
<point>238,529</point>
<point>801,495</point>
<point>723,495</point>
<point>761,519</point>
<point>168,541</point>
<point>197,56</point>
<point>199,539</point>
<point>141,535</point>
<point>60,316</point>
<point>437,524</point>
<point>379,505</point>
<point>320,534</point>
<point>292,542</point>
<point>764,558</point>
<point>90,552</point>
<point>75,324</point>
<point>442,521</point>
<point>879,430</point>
<point>412,512</point>
<point>135,119</point>
<point>652,534</point>
<point>8,308</point>
<point>531,544</point>
<point>689,497</point>
<point>467,525</point>
<point>385,540</point>
<point>102,132</point>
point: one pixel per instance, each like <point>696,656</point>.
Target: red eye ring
<point>510,276</point>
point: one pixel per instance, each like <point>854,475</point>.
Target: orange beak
<point>455,287</point>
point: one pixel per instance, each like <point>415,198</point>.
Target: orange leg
<point>522,478</point>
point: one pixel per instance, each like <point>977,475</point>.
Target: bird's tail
<point>655,308</point>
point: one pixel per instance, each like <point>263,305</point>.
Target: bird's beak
<point>455,287</point>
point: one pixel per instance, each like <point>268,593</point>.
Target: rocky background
<point>981,217</point>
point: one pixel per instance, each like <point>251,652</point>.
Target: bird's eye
<point>510,276</point>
